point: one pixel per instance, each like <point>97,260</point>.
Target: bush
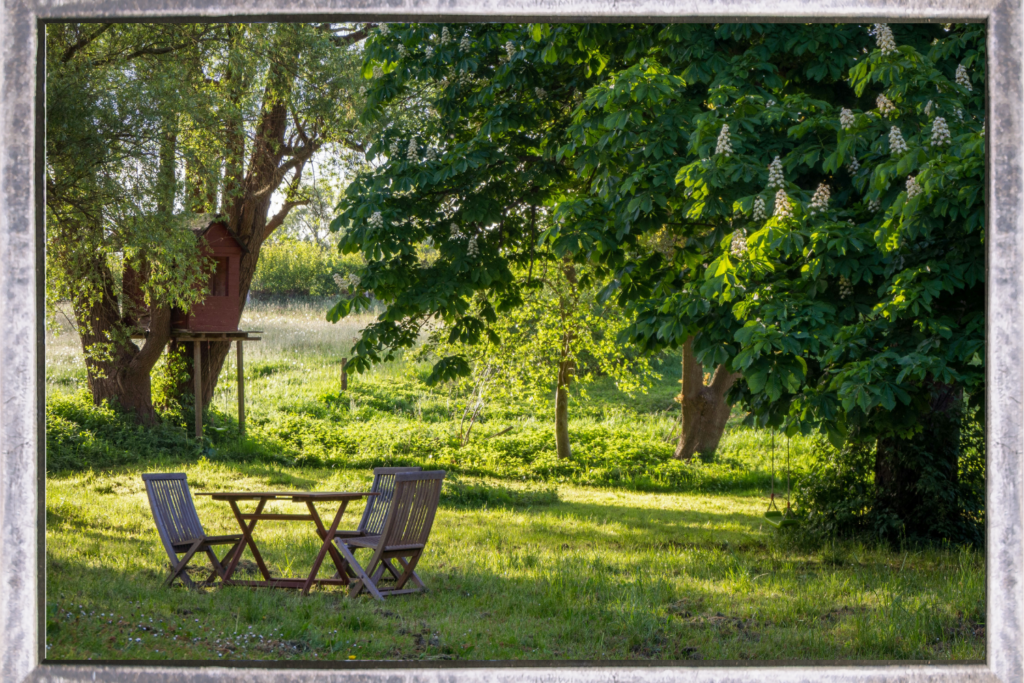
<point>296,268</point>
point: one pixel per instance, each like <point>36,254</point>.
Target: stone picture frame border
<point>22,357</point>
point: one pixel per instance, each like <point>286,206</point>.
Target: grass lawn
<point>618,555</point>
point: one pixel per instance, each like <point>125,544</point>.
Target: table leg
<point>339,561</point>
<point>328,545</point>
<point>247,541</point>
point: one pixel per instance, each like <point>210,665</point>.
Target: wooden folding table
<point>247,523</point>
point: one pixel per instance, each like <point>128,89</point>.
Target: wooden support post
<point>344,374</point>
<point>241,389</point>
<point>197,377</point>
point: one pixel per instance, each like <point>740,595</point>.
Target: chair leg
<point>415,577</point>
<point>409,567</point>
<point>364,581</point>
<point>177,571</point>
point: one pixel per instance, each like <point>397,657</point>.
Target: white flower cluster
<point>402,51</point>
<point>724,145</point>
<point>413,152</point>
<point>471,248</point>
<point>928,108</point>
<point>541,93</point>
<point>846,118</point>
<point>776,177</point>
<point>853,166</point>
<point>362,90</point>
<point>874,205</point>
<point>430,51</point>
<point>376,220</point>
<point>383,29</point>
<point>940,132</point>
<point>770,103</point>
<point>960,114</point>
<point>896,143</point>
<point>456,234</point>
<point>782,207</point>
<point>885,40</point>
<point>396,149</point>
<point>738,247</point>
<point>913,187</point>
<point>445,35</point>
<point>431,154</point>
<point>962,78</point>
<point>759,214</point>
<point>885,105</point>
<point>464,43</point>
<point>377,71</point>
<point>819,202</point>
<point>510,50</point>
<point>340,281</point>
<point>845,287</point>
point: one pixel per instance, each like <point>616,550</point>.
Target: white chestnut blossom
<point>445,35</point>
<point>738,247</point>
<point>412,153</point>
<point>846,118</point>
<point>913,187</point>
<point>962,78</point>
<point>510,50</point>
<point>853,166</point>
<point>845,287</point>
<point>471,248</point>
<point>885,105</point>
<point>885,40</point>
<point>383,29</point>
<point>759,214</point>
<point>928,108</point>
<point>819,202</point>
<point>540,92</point>
<point>770,103</point>
<point>430,51</point>
<point>874,205</point>
<point>362,90</point>
<point>960,114</point>
<point>402,51</point>
<point>896,143</point>
<point>776,177</point>
<point>724,145</point>
<point>782,207</point>
<point>376,220</point>
<point>456,234</point>
<point>940,132</point>
<point>464,43</point>
<point>339,281</point>
<point>377,71</point>
<point>396,149</point>
<point>431,154</point>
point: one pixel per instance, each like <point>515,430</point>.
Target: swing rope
<point>771,499</point>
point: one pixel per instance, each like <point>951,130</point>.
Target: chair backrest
<point>412,509</point>
<point>173,510</point>
<point>377,507</point>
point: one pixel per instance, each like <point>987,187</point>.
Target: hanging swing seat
<point>778,518</point>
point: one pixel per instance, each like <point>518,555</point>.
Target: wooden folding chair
<point>180,530</point>
<point>403,537</point>
<point>376,510</point>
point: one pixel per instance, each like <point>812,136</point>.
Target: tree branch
<point>84,42</point>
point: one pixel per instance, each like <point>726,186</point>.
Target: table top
<point>297,496</point>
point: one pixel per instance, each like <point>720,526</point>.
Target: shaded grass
<point>596,575</point>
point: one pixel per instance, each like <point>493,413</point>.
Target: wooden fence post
<point>344,374</point>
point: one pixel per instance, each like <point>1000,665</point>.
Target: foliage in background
<point>289,267</point>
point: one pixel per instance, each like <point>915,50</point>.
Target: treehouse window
<point>219,281</point>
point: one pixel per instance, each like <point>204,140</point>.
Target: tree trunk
<point>117,369</point>
<point>562,447</point>
<point>703,409</point>
<point>916,479</point>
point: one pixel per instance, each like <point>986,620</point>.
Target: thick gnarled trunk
<point>117,369</point>
<point>704,410</point>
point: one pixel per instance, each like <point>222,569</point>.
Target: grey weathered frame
<point>22,517</point>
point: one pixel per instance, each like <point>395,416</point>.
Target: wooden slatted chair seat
<point>403,537</point>
<point>376,510</point>
<point>179,527</point>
